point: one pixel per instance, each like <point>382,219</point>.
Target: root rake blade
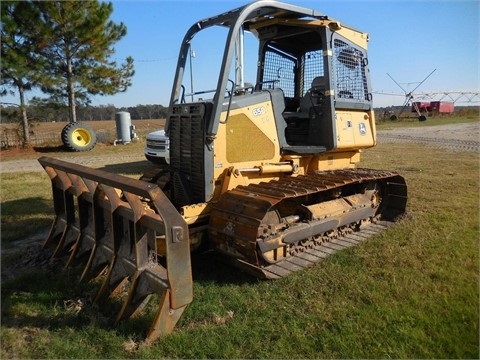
<point>101,220</point>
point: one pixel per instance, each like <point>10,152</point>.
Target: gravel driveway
<point>455,137</point>
<point>97,161</point>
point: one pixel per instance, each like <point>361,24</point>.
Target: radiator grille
<point>186,132</point>
<point>157,144</point>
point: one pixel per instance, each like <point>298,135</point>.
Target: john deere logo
<point>362,128</point>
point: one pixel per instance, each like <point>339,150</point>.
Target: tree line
<point>40,113</point>
<point>64,49</point>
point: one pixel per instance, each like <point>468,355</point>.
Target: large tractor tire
<point>78,137</point>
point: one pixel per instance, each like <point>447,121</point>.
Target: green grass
<point>410,292</point>
<point>26,204</point>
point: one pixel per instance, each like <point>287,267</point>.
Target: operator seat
<point>314,95</point>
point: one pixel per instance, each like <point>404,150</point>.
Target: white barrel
<point>123,123</point>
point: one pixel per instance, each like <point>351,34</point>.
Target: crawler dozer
<point>265,173</point>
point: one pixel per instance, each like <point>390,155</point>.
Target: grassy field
<point>411,292</point>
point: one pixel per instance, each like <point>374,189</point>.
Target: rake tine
<point>57,231</point>
<point>72,235</point>
<point>64,223</point>
<point>165,319</point>
<point>66,207</point>
<point>125,263</point>
<point>140,289</point>
<point>85,241</point>
<point>59,224</point>
<point>68,241</point>
<point>118,272</point>
<point>144,283</point>
<point>119,245</point>
<point>102,252</point>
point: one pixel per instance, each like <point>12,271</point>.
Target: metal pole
<point>239,60</point>
<point>192,55</point>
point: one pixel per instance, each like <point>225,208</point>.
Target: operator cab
<point>295,57</point>
<point>311,71</point>
<point>308,57</point>
<point>292,60</point>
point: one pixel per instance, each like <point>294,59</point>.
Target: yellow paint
<point>355,130</point>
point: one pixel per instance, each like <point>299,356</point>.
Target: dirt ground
<point>11,163</point>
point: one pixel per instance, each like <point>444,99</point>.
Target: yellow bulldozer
<point>264,173</point>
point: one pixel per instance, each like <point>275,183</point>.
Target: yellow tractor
<point>263,172</point>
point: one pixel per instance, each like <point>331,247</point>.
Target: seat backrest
<point>318,82</point>
<point>311,97</point>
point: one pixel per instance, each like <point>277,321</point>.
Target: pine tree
<point>77,41</point>
<point>19,53</point>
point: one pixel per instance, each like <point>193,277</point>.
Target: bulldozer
<point>263,173</point>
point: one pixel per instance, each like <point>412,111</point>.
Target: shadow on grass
<point>50,300</point>
<point>55,300</point>
<point>22,218</point>
<point>210,266</point>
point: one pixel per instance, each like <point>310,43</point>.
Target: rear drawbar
<point>102,219</point>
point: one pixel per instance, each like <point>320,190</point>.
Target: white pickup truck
<point>157,148</point>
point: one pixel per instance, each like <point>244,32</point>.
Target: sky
<point>408,40</point>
